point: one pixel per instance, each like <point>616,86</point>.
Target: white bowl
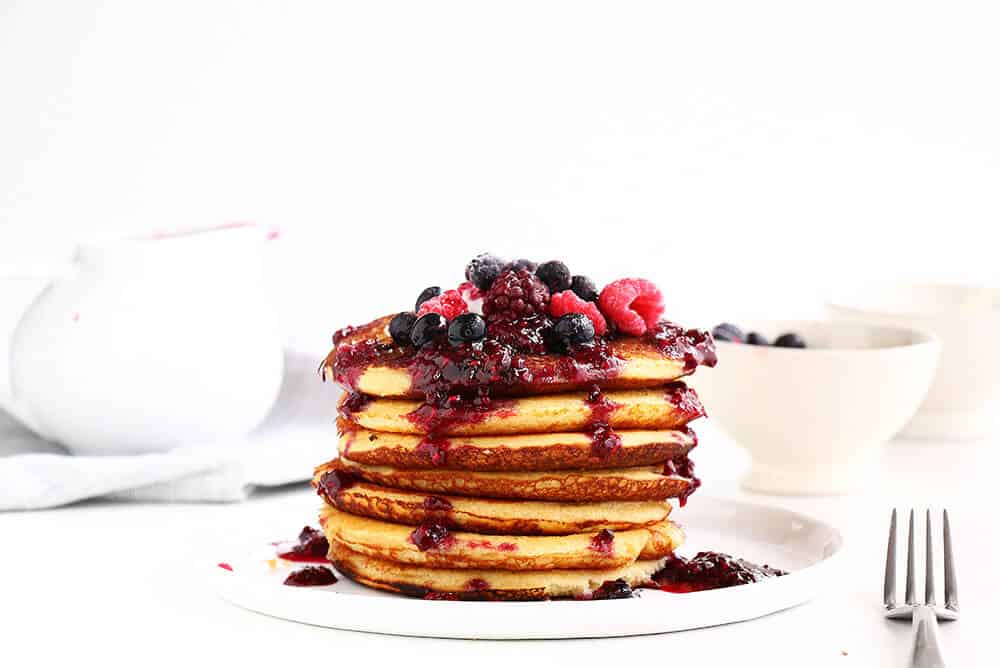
<point>813,418</point>
<point>965,395</point>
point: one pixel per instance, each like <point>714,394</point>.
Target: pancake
<point>484,584</point>
<point>662,408</point>
<point>494,516</point>
<point>364,359</point>
<point>641,483</point>
<point>460,549</point>
<point>515,452</point>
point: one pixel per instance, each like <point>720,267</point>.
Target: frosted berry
<point>517,265</point>
<point>569,302</point>
<point>727,331</point>
<point>757,339</point>
<point>572,329</point>
<point>483,270</point>
<point>449,304</point>
<point>633,304</point>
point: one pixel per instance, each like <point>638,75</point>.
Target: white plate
<point>802,545</point>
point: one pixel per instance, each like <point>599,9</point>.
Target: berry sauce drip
<point>684,399</point>
<point>436,504</point>
<point>440,596</point>
<point>604,442</point>
<point>431,536</point>
<point>311,546</point>
<point>694,346</point>
<point>311,576</point>
<point>477,584</point>
<point>683,467</point>
<point>490,545</point>
<point>224,566</point>
<point>710,570</point>
<point>354,403</point>
<point>612,589</point>
<point>332,482</point>
<point>434,450</point>
<point>603,542</point>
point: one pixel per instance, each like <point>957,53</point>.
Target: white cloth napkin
<point>298,434</point>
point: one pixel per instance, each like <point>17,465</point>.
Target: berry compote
<point>710,570</point>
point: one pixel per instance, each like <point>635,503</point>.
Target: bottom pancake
<point>486,584</point>
<point>435,546</point>
<point>491,516</point>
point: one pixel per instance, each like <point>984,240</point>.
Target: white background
<point>744,155</point>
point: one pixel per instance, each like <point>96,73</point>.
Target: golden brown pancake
<point>494,516</point>
<point>484,584</point>
<point>640,483</point>
<point>364,359</point>
<point>461,549</point>
<point>660,408</point>
<point>513,452</point>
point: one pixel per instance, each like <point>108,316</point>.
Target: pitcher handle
<point>44,271</point>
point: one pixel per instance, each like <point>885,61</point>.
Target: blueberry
<point>428,328</point>
<point>400,327</point>
<point>483,270</point>
<point>554,274</point>
<point>790,340</point>
<point>466,328</point>
<point>728,332</point>
<point>584,288</point>
<point>518,265</point>
<point>757,339</point>
<point>572,328</point>
<point>612,589</point>
<point>428,293</point>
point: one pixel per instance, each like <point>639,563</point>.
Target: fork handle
<point>926,646</point>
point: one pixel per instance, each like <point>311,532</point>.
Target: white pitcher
<point>147,344</point>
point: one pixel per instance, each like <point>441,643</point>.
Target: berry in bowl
<point>813,401</point>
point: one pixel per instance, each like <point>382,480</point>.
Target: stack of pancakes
<point>549,490</point>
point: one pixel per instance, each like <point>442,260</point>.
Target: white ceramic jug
<point>147,344</point>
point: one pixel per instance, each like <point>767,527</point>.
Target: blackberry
<point>428,293</point>
<point>428,328</point>
<point>466,328</point>
<point>727,332</point>
<point>757,339</point>
<point>515,295</point>
<point>483,270</point>
<point>554,274</point>
<point>790,340</point>
<point>584,288</point>
<point>612,589</point>
<point>401,326</point>
<point>572,328</point>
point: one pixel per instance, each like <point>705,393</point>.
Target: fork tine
<point>929,563</point>
<point>911,576</point>
<point>950,585</point>
<point>889,592</point>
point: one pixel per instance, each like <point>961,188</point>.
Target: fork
<point>926,652</point>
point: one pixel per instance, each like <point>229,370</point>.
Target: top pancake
<point>365,360</point>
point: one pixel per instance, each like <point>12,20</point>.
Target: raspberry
<point>568,301</point>
<point>449,304</point>
<point>515,295</point>
<point>469,292</point>
<point>632,304</point>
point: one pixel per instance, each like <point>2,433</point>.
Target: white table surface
<point>118,584</point>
